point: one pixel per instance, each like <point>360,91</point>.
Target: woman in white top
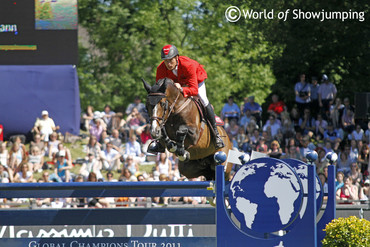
<point>35,159</point>
<point>163,165</point>
<point>4,154</point>
<point>24,175</point>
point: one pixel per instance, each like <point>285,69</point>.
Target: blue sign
<point>265,195</point>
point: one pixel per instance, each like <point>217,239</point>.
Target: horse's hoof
<point>184,157</point>
<point>173,149</point>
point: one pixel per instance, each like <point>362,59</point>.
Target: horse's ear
<point>163,85</point>
<point>146,85</point>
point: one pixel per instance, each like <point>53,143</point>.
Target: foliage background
<point>249,57</point>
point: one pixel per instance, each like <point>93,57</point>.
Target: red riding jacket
<point>189,73</point>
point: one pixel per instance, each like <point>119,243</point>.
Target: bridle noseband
<point>164,118</point>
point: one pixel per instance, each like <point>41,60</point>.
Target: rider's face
<point>171,63</point>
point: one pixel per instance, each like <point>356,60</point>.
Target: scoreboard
<point>38,32</point>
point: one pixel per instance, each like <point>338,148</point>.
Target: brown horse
<point>177,122</point>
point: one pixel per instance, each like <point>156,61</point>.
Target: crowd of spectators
<point>116,141</point>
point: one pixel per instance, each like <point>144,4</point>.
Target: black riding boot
<point>156,147</point>
<point>211,117</point>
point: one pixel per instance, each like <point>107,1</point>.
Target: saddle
<point>202,111</point>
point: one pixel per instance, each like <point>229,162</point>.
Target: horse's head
<point>160,101</point>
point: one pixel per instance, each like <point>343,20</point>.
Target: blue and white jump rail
<point>266,204</point>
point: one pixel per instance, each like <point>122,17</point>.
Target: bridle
<point>162,120</point>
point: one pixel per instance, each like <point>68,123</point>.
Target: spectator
<point>363,160</point>
<point>339,181</point>
<point>63,167</point>
<point>327,94</point>
<point>355,174</point>
<point>275,151</point>
<point>241,137</point>
<point>343,163</point>
<point>16,155</point>
<point>45,177</point>
<point>1,133</point>
<point>302,94</point>
<point>93,147</point>
<point>107,116</point>
<point>135,120</point>
<point>276,107</point>
<point>365,191</point>
<point>145,135</point>
<point>133,148</point>
<point>336,113</point>
<point>367,133</point>
<point>87,117</point>
<point>110,177</point>
<point>110,158</point>
<point>272,126</point>
<point>307,122</point>
<point>331,135</point>
<point>96,128</point>
<point>91,165</point>
<point>347,106</point>
<point>24,175</point>
<point>97,202</point>
<point>116,140</point>
<point>163,165</point>
<point>358,134</point>
<point>321,161</point>
<point>44,126</point>
<point>232,131</point>
<point>292,152</point>
<point>4,154</point>
<point>255,108</point>
<point>5,174</point>
<point>321,126</point>
<point>127,176</point>
<point>68,153</point>
<point>314,88</point>
<point>139,106</point>
<point>53,145</point>
<point>348,121</point>
<point>38,143</point>
<point>246,119</point>
<point>35,159</point>
<point>132,165</point>
<point>348,192</point>
<point>262,147</point>
<point>230,110</point>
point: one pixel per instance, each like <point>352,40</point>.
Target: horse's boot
<point>211,117</point>
<point>156,147</point>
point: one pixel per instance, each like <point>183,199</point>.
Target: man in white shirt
<point>44,126</point>
<point>110,158</point>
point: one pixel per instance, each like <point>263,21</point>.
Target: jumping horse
<point>177,122</point>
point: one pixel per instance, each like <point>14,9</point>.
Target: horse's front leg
<point>180,139</point>
<point>170,145</point>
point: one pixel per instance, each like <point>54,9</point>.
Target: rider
<point>189,77</point>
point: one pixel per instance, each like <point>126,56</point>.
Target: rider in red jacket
<point>189,77</point>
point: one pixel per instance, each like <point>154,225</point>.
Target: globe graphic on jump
<point>265,195</point>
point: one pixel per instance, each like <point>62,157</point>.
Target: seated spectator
<point>133,148</point>
<point>272,126</point>
<point>24,175</point>
<point>68,153</point>
<point>246,146</point>
<point>348,192</point>
<point>275,151</point>
<point>230,110</point>
<point>331,135</point>
<point>93,147</point>
<point>110,158</point>
<point>307,122</point>
<point>139,106</point>
<point>63,167</point>
<point>321,161</point>
<point>145,135</point>
<point>292,152</point>
<point>343,163</point>
<point>251,127</point>
<point>91,165</point>
<point>116,140</point>
<point>287,129</point>
<point>232,131</point>
<point>276,107</point>
<point>367,134</point>
<point>96,128</point>
<point>127,176</point>
<point>363,160</point>
<point>44,126</point>
<point>163,165</point>
<point>38,143</point>
<point>87,117</point>
<point>353,154</point>
<point>107,116</point>
<point>261,146</point>
<point>324,182</point>
<point>5,175</point>
<point>365,191</point>
<point>53,145</point>
<point>45,177</point>
<point>246,119</point>
<point>321,126</point>
<point>339,181</point>
<point>132,165</point>
<point>4,154</point>
<point>294,117</point>
<point>358,134</point>
<point>348,121</point>
<point>35,159</point>
<point>255,108</point>
<point>241,138</point>
<point>16,155</point>
<point>254,138</point>
<point>135,120</point>
<point>110,177</point>
<point>355,174</point>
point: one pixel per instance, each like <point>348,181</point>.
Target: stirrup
<point>219,143</point>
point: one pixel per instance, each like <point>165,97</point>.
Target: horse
<point>177,123</point>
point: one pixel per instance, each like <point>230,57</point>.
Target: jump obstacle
<point>307,231</point>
